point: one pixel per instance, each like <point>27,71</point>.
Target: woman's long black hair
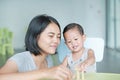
<point>36,27</point>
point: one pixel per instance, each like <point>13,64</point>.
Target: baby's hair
<point>73,26</point>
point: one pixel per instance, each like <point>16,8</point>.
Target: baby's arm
<point>91,57</point>
<point>89,61</point>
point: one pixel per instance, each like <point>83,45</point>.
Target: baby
<point>81,57</point>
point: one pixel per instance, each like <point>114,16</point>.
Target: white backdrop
<point>16,15</point>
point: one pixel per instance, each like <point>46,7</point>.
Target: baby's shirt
<point>25,62</point>
<point>72,64</point>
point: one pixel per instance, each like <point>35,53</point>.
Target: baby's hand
<point>83,66</point>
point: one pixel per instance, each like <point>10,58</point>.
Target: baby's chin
<point>75,51</point>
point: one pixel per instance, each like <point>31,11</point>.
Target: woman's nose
<point>56,40</point>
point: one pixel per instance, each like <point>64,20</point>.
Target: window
<point>113,24</point>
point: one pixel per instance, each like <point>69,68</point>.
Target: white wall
<point>16,14</point>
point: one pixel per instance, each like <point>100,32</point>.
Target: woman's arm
<point>10,72</point>
<point>33,75</point>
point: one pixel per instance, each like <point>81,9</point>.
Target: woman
<point>42,38</point>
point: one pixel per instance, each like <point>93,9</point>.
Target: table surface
<point>102,76</point>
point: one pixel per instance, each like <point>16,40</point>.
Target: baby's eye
<point>76,39</point>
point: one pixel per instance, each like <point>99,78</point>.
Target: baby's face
<point>74,40</point>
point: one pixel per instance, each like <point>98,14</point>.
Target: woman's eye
<point>59,37</point>
<point>51,36</point>
<point>68,41</point>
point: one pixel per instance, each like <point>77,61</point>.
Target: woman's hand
<point>60,72</point>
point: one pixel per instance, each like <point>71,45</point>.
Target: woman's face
<point>49,39</point>
<point>74,40</point>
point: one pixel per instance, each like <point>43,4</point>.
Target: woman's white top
<point>72,64</point>
<point>25,62</point>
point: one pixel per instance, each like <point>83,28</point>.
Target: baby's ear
<point>65,61</point>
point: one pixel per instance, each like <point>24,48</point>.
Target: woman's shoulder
<point>23,60</point>
<point>20,56</point>
<point>25,53</point>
